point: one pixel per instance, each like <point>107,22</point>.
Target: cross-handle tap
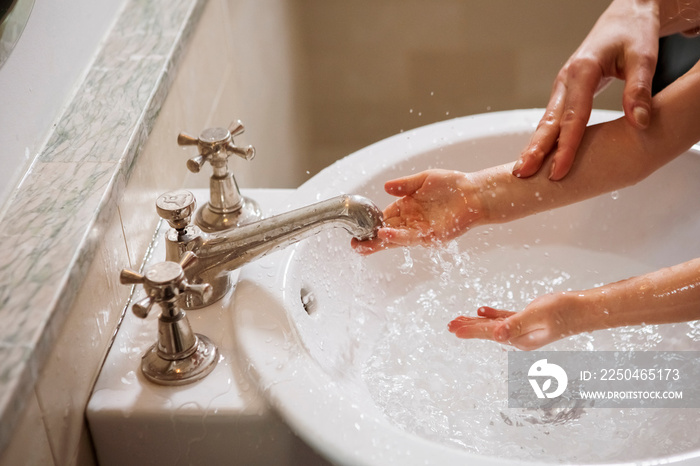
<point>179,356</point>
<point>215,145</point>
<point>226,207</point>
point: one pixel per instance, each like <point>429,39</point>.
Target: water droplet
<point>615,195</point>
<point>408,262</point>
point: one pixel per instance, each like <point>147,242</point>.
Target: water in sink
<point>455,391</point>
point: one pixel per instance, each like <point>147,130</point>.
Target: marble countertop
<point>54,217</point>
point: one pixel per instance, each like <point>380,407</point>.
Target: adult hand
<point>623,44</point>
<point>433,206</point>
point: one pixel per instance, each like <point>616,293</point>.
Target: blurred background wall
<point>315,80</point>
<point>369,69</point>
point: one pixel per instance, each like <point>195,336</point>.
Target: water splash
<point>407,265</point>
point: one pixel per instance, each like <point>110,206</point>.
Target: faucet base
<point>189,369</point>
<point>210,221</point>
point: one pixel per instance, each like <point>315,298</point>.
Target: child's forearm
<point>668,295</point>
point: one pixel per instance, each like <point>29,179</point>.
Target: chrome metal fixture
<point>220,253</point>
<point>14,15</point>
<point>226,207</point>
<point>180,356</point>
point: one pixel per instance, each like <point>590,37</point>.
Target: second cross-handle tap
<point>226,207</point>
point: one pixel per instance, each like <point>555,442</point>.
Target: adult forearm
<point>677,15</point>
<point>674,16</point>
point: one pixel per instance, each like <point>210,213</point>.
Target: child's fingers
<point>401,236</point>
<point>405,186</point>
<point>392,212</point>
<point>493,313</point>
<point>472,327</point>
<point>368,247</point>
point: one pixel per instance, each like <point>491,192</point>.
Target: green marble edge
<point>73,186</point>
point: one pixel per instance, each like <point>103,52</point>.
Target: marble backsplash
<point>56,219</point>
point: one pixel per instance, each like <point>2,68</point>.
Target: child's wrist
<point>483,195</point>
<point>581,312</point>
<point>473,207</point>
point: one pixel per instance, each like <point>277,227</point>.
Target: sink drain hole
<point>308,300</point>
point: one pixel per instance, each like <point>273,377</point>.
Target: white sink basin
<point>354,352</point>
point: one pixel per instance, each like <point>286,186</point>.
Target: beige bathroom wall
<point>258,85</point>
<point>371,69</point>
<point>315,80</point>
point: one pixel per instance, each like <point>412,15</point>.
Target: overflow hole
<point>308,300</point>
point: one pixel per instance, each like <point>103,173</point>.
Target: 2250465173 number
<point>639,374</point>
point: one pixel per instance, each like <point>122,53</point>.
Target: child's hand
<point>434,205</point>
<point>546,319</point>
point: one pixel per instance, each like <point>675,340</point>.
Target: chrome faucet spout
<point>220,253</point>
<point>229,251</point>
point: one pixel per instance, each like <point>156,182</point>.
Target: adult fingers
<point>583,79</point>
<point>636,96</point>
<point>545,136</point>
